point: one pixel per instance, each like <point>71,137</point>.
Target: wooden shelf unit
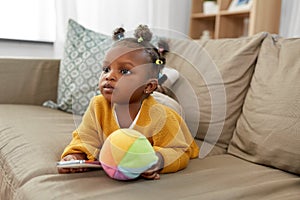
<point>264,15</point>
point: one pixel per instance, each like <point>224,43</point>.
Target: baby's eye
<point>105,69</point>
<point>125,71</point>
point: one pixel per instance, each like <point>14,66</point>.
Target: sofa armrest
<point>28,81</point>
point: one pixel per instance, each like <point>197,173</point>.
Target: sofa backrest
<point>28,81</point>
<point>268,130</point>
<point>215,77</point>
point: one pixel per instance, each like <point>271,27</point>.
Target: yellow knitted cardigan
<point>164,128</point>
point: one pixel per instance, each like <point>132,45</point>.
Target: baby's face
<point>125,75</point>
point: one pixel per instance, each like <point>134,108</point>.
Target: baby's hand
<point>72,170</point>
<point>153,172</point>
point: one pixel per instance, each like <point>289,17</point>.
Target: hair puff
<point>163,47</point>
<point>142,31</point>
<point>118,33</point>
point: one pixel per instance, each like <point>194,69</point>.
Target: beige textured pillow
<point>167,101</point>
<point>215,76</point>
<point>268,131</point>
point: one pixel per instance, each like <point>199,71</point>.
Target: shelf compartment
<point>233,26</point>
<point>264,15</point>
<point>198,25</point>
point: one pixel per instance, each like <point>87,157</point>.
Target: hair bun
<point>163,47</point>
<point>118,33</point>
<point>142,31</point>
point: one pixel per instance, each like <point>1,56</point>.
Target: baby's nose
<point>111,75</point>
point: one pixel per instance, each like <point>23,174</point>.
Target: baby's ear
<point>151,86</point>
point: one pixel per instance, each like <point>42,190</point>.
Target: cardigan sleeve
<point>87,137</point>
<point>175,142</point>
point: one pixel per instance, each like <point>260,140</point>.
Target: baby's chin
<point>124,100</point>
<point>111,100</point>
<point>108,97</point>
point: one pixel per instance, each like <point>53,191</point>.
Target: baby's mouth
<point>108,88</point>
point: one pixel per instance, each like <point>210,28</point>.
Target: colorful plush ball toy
<point>126,153</point>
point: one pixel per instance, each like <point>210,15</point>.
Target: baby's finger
<point>153,176</point>
<point>157,176</point>
<point>68,158</point>
<point>151,170</point>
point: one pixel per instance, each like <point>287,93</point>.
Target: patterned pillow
<point>80,68</point>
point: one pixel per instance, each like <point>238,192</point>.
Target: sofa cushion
<point>224,176</point>
<point>215,76</point>
<point>268,130</point>
<point>31,140</point>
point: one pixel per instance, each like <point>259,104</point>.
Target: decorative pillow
<point>167,101</point>
<point>268,129</point>
<point>80,68</point>
<point>214,79</point>
<point>172,76</point>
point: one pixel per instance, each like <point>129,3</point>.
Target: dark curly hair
<point>141,40</point>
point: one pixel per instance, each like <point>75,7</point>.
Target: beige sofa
<point>240,98</point>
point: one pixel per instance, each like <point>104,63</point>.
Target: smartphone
<point>78,164</point>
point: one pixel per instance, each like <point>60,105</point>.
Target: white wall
<point>10,48</point>
<point>290,18</point>
<point>27,49</point>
